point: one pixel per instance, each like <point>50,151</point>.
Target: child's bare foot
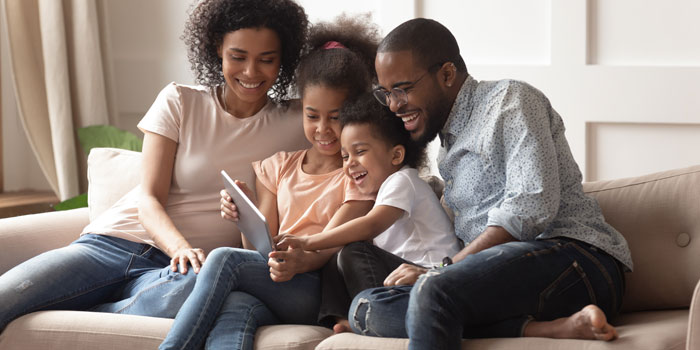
<point>342,326</point>
<point>589,323</point>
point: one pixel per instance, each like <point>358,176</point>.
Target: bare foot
<point>342,326</point>
<point>589,323</point>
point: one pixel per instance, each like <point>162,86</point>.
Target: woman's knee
<point>230,255</point>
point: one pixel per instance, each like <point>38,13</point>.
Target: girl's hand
<point>284,241</point>
<point>284,264</point>
<point>406,274</point>
<point>193,256</point>
<point>228,209</point>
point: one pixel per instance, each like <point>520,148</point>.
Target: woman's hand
<point>193,256</point>
<point>406,274</point>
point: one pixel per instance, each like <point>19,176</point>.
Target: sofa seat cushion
<point>94,330</point>
<point>84,330</point>
<point>639,330</point>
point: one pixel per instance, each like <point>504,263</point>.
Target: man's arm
<point>407,274</point>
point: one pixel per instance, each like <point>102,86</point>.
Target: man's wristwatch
<point>446,261</point>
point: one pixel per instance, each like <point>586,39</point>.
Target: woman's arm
<point>296,260</point>
<point>363,228</point>
<point>157,168</point>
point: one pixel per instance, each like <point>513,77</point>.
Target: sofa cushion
<point>641,330</point>
<point>95,330</point>
<point>658,215</point>
<point>112,172</point>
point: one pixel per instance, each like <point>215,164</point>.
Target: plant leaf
<point>107,136</point>
<point>79,201</point>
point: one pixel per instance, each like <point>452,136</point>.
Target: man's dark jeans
<point>493,293</point>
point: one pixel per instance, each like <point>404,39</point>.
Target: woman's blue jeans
<point>98,273</point>
<point>234,295</point>
<point>493,293</point>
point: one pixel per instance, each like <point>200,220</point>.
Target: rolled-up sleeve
<point>531,195</point>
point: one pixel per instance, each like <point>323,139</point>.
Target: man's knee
<point>429,288</point>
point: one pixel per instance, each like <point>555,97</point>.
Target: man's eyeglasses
<point>398,94</point>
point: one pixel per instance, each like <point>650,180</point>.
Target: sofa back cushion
<point>112,172</point>
<point>659,215</point>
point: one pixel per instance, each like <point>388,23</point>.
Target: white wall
<point>624,74</point>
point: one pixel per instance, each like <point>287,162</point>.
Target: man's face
<point>426,107</point>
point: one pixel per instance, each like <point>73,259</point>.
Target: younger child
<point>407,222</point>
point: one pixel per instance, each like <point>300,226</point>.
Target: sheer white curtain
<point>58,75</point>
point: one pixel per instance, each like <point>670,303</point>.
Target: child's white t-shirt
<point>424,235</point>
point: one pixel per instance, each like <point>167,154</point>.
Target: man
<point>539,258</point>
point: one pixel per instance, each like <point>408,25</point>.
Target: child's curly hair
<point>210,20</point>
<point>350,68</point>
<point>385,125</point>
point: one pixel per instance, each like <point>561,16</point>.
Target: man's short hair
<point>429,41</point>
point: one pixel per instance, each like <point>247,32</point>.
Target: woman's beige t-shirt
<point>208,140</point>
<point>305,202</point>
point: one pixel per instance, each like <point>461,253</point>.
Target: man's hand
<point>284,264</point>
<point>406,274</point>
<point>195,257</point>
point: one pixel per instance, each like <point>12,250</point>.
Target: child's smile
<point>367,160</point>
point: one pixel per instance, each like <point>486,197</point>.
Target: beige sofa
<point>659,214</point>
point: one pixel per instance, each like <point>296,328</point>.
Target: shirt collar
<point>462,104</point>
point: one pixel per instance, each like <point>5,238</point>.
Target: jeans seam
<point>211,295</point>
<point>136,297</point>
<point>368,261</point>
<point>79,292</point>
<point>248,320</point>
<point>603,270</point>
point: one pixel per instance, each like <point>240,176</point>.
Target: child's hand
<point>286,241</point>
<point>228,209</point>
<point>285,264</point>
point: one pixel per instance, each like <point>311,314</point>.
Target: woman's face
<point>251,62</point>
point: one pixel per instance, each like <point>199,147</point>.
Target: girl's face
<point>321,126</point>
<point>367,160</point>
<point>250,59</point>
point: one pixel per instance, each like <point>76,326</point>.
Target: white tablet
<point>251,221</point>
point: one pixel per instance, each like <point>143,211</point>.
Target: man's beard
<point>436,116</point>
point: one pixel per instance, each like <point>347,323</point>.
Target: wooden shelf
<point>26,202</point>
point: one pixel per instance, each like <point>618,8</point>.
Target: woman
<point>127,259</point>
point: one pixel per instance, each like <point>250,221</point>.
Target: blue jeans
<point>493,293</point>
<point>98,273</point>
<point>234,295</point>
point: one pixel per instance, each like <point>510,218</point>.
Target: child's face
<point>367,160</point>
<point>321,126</point>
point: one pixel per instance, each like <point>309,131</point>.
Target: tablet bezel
<point>251,222</point>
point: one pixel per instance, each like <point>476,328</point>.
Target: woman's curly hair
<point>350,68</point>
<point>210,20</point>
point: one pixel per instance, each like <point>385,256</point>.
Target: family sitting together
<point>522,253</point>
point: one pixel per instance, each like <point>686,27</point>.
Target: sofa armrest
<point>693,339</point>
<point>26,236</point>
